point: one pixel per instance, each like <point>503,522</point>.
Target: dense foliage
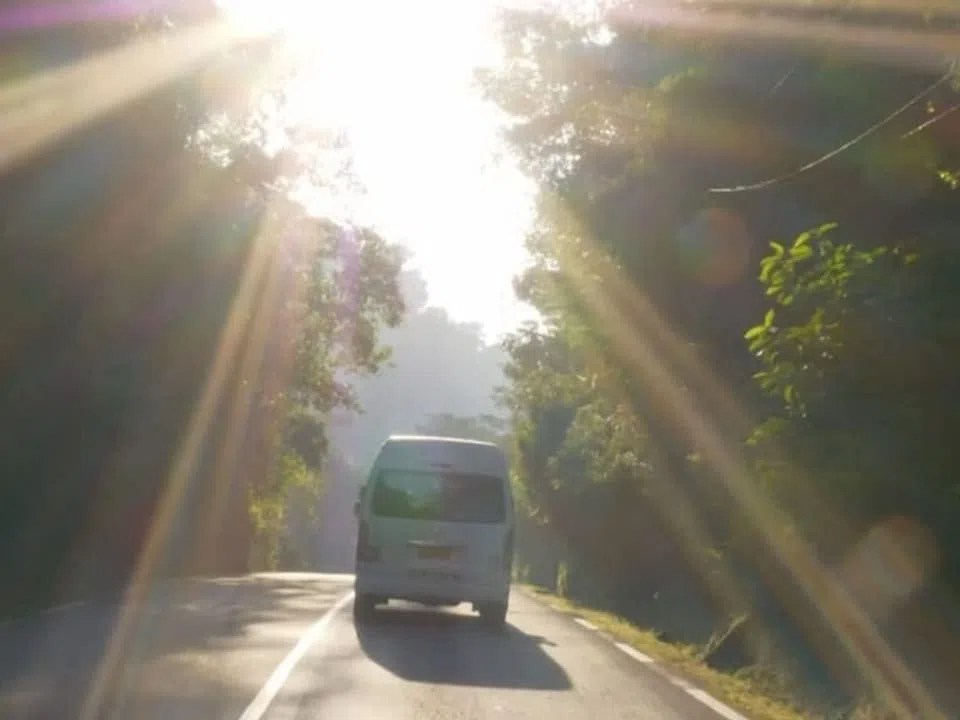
<point>175,329</point>
<point>440,379</point>
<point>687,473</point>
<point>437,367</point>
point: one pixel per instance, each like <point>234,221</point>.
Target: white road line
<point>258,707</point>
<point>701,696</point>
<point>674,680</point>
<point>634,653</point>
<point>696,693</point>
<point>718,707</point>
<point>585,623</point>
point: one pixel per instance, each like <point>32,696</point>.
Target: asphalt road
<point>284,647</point>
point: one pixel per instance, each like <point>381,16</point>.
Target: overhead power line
<point>927,123</point>
<point>842,148</point>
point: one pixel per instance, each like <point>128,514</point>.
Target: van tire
<point>364,606</point>
<point>493,615</point>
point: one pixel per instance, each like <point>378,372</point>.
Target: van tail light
<point>366,552</point>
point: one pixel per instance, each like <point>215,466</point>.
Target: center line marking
<point>256,709</point>
<point>585,623</point>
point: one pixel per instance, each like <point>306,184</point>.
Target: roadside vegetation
<point>734,425</point>
<point>758,696</point>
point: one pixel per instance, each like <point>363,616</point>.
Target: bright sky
<point>397,77</point>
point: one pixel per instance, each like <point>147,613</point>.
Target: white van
<point>436,526</point>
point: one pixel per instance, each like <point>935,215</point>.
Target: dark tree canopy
<point>175,329</point>
<point>683,152</point>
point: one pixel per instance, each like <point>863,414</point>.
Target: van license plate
<point>435,553</point>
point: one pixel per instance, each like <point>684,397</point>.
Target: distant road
<point>284,646</point>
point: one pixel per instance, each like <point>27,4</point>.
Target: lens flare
<point>714,247</point>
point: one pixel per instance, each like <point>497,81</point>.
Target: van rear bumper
<point>432,588</point>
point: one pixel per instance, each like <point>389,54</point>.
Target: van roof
<point>437,438</point>
<point>414,452</point>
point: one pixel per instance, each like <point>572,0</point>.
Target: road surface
<point>285,647</point>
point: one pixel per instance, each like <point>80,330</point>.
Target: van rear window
<point>438,496</point>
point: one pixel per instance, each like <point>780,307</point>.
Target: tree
<point>867,425</point>
<point>666,155</point>
<point>437,366</point>
<point>488,428</point>
<point>176,331</point>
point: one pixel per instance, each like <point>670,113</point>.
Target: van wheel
<point>364,606</point>
<point>493,615</point>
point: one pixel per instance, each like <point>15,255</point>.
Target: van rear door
<point>440,524</point>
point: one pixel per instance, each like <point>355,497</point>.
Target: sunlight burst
<point>396,80</point>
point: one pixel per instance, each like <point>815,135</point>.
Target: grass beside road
<point>746,691</point>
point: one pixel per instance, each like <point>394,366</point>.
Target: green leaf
<point>755,331</point>
<point>801,252</point>
<point>950,178</point>
<point>777,248</point>
<point>765,379</point>
<point>766,267</point>
<point>768,318</point>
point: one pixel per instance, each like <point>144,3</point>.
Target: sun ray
<point>41,109</point>
<point>927,50</point>
<point>246,302</point>
<point>655,357</point>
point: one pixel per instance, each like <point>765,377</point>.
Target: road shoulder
<point>729,696</point>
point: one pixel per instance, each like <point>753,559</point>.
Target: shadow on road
<point>175,661</point>
<point>429,646</point>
